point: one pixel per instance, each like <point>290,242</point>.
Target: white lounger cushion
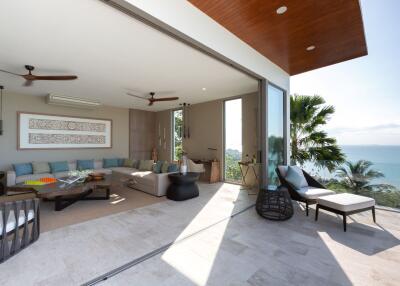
<point>11,220</point>
<point>346,202</point>
<point>312,193</point>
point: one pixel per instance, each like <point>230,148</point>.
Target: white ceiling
<point>110,52</point>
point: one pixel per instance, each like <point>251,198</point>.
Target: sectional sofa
<point>148,181</point>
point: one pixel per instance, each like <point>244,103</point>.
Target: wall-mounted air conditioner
<point>55,99</point>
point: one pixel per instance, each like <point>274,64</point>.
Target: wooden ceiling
<point>334,27</point>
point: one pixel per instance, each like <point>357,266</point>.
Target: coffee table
<point>65,195</point>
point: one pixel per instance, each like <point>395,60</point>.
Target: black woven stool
<point>274,203</point>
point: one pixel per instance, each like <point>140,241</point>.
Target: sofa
<point>147,181</point>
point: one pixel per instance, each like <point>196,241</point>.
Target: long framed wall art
<point>48,131</point>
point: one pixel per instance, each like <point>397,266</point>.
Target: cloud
<point>380,127</point>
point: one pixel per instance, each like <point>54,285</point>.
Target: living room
<point>117,83</point>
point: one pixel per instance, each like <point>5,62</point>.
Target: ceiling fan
<point>29,77</point>
<point>152,99</point>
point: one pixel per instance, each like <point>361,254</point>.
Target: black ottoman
<point>274,203</point>
<point>183,187</point>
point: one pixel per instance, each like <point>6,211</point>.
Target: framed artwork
<point>48,131</point>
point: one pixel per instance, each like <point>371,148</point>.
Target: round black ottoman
<point>183,187</point>
<point>274,203</point>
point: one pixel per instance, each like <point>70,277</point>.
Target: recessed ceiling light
<point>281,10</point>
<point>204,89</point>
<point>310,48</point>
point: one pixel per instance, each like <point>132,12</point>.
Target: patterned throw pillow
<point>129,163</point>
<point>121,162</point>
<point>157,167</point>
<point>146,165</point>
<point>110,163</point>
<point>164,167</point>
<point>296,178</point>
<point>173,168</point>
<point>23,169</point>
<point>57,167</point>
<point>40,167</point>
<point>84,165</point>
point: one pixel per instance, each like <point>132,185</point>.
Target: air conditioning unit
<point>55,99</point>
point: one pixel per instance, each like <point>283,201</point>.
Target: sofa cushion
<point>40,167</point>
<point>157,167</point>
<point>121,162</point>
<point>72,165</point>
<point>346,202</point>
<point>109,163</point>
<point>130,163</point>
<point>146,178</point>
<point>23,169</point>
<point>164,167</point>
<point>312,193</point>
<point>173,168</point>
<point>33,177</point>
<point>84,165</point>
<point>64,174</point>
<point>61,166</point>
<point>98,164</point>
<point>146,165</point>
<point>296,177</point>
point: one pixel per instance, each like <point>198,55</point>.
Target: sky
<point>365,90</point>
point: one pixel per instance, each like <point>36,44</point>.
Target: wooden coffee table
<point>65,195</point>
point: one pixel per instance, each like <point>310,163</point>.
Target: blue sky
<point>364,91</point>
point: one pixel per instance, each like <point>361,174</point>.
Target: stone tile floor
<point>243,250</point>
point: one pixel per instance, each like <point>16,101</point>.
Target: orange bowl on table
<point>48,180</point>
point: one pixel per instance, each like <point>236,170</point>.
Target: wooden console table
<point>212,171</point>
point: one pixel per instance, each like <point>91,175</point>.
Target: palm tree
<point>308,142</point>
<point>358,177</point>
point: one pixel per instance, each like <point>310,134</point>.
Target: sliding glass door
<point>276,131</point>
<point>233,139</point>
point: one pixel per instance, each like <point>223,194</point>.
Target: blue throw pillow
<point>173,168</point>
<point>296,178</point>
<point>110,163</point>
<point>121,162</point>
<point>57,167</point>
<point>23,169</point>
<point>84,165</point>
<point>157,167</point>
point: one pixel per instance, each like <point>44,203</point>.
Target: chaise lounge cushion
<point>312,193</point>
<point>346,202</point>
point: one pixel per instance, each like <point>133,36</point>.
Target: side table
<point>274,203</point>
<point>183,186</point>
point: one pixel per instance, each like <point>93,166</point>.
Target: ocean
<point>386,159</point>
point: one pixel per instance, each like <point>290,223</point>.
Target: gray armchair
<point>19,223</point>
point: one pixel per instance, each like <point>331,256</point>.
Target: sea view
<point>386,159</point>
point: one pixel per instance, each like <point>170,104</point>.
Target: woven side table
<point>274,203</point>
